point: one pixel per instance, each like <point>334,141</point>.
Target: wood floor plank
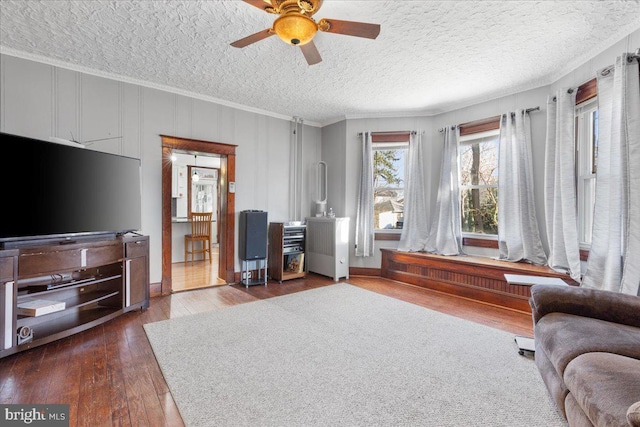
<point>116,387</point>
<point>109,375</point>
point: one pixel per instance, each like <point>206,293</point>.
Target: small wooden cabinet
<point>136,272</point>
<point>79,284</point>
<point>286,250</point>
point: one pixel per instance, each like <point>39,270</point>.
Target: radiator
<point>327,246</point>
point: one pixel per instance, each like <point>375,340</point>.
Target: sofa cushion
<point>605,385</point>
<point>563,337</point>
<point>575,415</point>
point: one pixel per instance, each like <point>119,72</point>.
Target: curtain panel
<point>518,233</point>
<point>559,185</point>
<point>615,249</point>
<point>364,215</point>
<point>415,229</point>
<point>445,231</point>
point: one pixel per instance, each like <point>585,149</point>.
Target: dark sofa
<point>588,353</point>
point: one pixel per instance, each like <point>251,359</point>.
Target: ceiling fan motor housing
<point>295,28</point>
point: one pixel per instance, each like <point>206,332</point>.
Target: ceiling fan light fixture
<point>295,28</point>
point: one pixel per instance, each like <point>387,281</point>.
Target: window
<point>479,182</point>
<point>389,169</point>
<point>586,162</point>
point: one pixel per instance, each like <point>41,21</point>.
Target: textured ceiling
<point>430,56</point>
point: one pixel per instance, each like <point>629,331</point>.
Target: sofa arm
<point>633,415</point>
<point>598,304</point>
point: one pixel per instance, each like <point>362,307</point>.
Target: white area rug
<point>344,356</point>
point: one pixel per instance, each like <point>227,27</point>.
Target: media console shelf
<point>51,291</point>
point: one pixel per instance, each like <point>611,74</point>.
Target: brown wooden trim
<point>482,125</point>
<point>155,290</point>
<point>165,287</point>
<point>361,271</point>
<point>390,137</point>
<point>228,224</point>
<point>584,254</point>
<point>188,144</point>
<point>480,243</point>
<point>387,236</point>
<point>227,203</point>
<point>587,91</point>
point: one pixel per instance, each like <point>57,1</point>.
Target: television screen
<point>54,190</point>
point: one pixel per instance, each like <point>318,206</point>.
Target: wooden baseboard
<point>477,278</point>
<point>155,290</point>
<point>361,271</point>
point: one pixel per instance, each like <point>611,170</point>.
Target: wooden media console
<point>74,286</point>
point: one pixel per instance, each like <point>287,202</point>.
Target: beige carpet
<point>344,356</point>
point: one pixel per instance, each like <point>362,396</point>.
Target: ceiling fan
<point>295,26</point>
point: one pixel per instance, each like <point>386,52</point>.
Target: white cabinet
<point>327,243</point>
<point>179,181</point>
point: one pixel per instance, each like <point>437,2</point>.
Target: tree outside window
<point>389,166</point>
<point>479,182</point>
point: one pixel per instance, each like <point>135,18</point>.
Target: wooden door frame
<point>227,153</point>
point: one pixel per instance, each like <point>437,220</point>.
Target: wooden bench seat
<point>472,277</point>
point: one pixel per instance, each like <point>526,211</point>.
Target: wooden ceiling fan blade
<point>261,35</point>
<point>310,52</point>
<point>260,4</point>
<point>349,28</point>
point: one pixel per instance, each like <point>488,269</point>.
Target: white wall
<point>39,100</point>
<point>341,147</point>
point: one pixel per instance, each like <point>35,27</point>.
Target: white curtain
<point>559,185</point>
<point>364,214</point>
<point>415,229</point>
<point>518,233</point>
<point>614,257</point>
<point>445,232</point>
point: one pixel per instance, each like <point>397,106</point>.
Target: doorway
<point>226,218</point>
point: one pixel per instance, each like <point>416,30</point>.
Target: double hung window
<point>389,179</point>
<point>586,164</point>
<point>479,182</point>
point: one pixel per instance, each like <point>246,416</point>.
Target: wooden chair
<point>200,232</point>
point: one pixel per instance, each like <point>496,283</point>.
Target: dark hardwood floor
<point>109,374</point>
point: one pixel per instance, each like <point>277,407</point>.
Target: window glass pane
<point>586,210</point>
<point>388,208</point>
<point>479,163</point>
<point>480,210</point>
<point>388,167</point>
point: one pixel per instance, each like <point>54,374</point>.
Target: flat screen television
<point>52,191</point>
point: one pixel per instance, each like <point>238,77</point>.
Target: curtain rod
<point>528,110</point>
<point>412,132</point>
<point>607,70</point>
